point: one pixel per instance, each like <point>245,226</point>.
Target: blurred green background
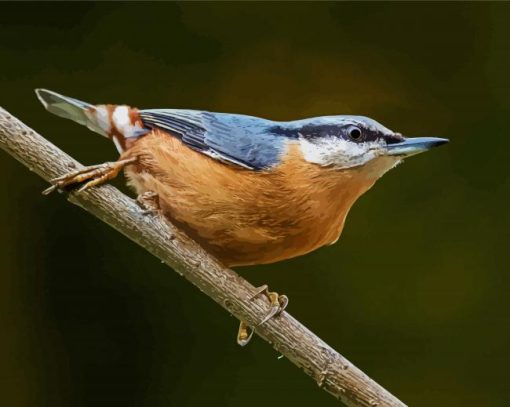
<point>415,293</point>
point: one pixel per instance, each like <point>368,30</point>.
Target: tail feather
<point>115,122</point>
<point>67,107</point>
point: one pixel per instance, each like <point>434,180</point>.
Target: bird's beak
<point>412,146</point>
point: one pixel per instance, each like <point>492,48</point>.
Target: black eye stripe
<point>318,132</point>
<point>310,131</point>
<point>393,138</point>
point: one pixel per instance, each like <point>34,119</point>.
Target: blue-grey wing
<point>236,139</point>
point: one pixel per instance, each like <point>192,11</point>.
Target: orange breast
<point>241,216</point>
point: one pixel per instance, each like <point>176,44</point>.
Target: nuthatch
<point>250,190</point>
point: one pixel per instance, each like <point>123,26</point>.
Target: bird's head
<point>343,142</point>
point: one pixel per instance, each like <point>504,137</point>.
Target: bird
<point>249,190</point>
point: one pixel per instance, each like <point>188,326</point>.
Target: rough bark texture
<point>328,368</point>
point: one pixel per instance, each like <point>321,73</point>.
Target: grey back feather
<point>237,139</point>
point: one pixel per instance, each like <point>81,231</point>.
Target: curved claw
<point>278,304</point>
<point>149,202</point>
<point>49,190</point>
<point>284,301</point>
<point>244,334</point>
<point>272,312</point>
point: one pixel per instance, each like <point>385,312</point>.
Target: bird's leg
<point>277,302</point>
<point>94,174</point>
<point>149,202</point>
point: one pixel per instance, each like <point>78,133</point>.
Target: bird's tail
<point>117,122</point>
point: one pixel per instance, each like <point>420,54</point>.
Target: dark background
<point>416,291</point>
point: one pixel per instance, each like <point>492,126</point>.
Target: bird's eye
<point>355,133</point>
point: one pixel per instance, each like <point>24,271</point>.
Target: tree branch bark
<point>328,368</point>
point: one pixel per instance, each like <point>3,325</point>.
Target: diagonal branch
<point>328,368</point>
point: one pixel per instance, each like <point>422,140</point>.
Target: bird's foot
<point>149,202</point>
<point>277,302</point>
<point>94,174</point>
